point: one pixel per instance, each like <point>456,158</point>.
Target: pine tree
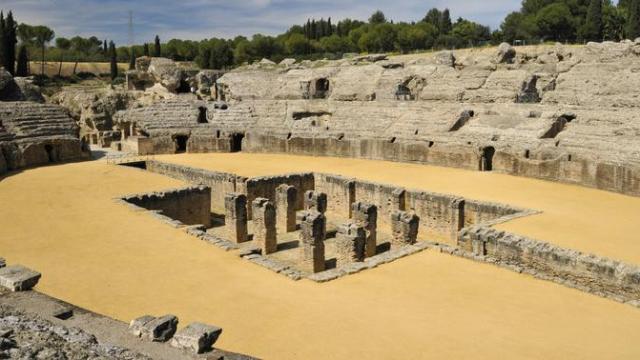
<point>132,59</point>
<point>114,60</point>
<point>157,51</point>
<point>146,49</point>
<point>445,22</point>
<point>592,30</point>
<point>633,21</point>
<point>23,62</point>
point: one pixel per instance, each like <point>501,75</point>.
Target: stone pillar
<point>366,215</point>
<point>398,199</point>
<point>312,235</point>
<point>350,243</point>
<point>404,228</point>
<point>351,195</point>
<point>264,225</point>
<point>235,219</point>
<point>315,201</point>
<point>286,208</point>
<point>457,218</point>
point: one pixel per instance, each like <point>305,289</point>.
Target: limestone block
<point>18,278</point>
<point>445,58</point>
<point>366,215</point>
<point>152,328</point>
<point>264,225</point>
<point>312,236</point>
<point>236,217</point>
<point>286,208</point>
<point>315,201</point>
<point>3,263</point>
<point>197,337</point>
<point>505,54</point>
<point>404,228</point>
<point>350,243</point>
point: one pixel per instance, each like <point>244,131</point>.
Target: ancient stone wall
<point>219,183</point>
<point>592,273</point>
<point>265,187</point>
<point>191,205</point>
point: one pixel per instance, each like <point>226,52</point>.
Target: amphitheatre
<point>477,203</point>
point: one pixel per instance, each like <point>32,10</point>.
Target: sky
<point>201,19</point>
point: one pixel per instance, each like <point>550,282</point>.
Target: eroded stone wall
<point>191,205</point>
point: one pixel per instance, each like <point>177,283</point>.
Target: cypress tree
<point>132,59</point>
<point>3,51</point>
<point>23,62</point>
<point>330,28</point>
<point>633,21</point>
<point>105,47</point>
<point>146,49</point>
<point>114,60</point>
<point>9,44</point>
<point>445,22</point>
<point>157,51</point>
<point>593,25</point>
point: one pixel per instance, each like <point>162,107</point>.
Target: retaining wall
<point>191,205</point>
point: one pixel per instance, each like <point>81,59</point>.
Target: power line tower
<point>131,39</point>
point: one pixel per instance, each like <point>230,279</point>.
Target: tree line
<point>537,21</point>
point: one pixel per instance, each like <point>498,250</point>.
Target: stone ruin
<point>553,112</point>
<point>33,133</point>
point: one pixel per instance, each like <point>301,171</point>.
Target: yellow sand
<point>95,253</point>
<point>575,217</point>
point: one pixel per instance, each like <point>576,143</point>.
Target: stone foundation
<point>190,205</point>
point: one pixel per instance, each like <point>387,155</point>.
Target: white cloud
<point>198,19</point>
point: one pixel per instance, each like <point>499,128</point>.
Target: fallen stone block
<point>18,278</point>
<point>3,262</point>
<point>152,328</point>
<point>197,337</point>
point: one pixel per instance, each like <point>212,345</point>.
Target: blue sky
<point>199,19</point>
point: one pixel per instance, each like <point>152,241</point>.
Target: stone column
<point>264,225</point>
<point>350,243</point>
<point>366,215</point>
<point>312,235</point>
<point>235,219</point>
<point>404,228</point>
<point>286,208</point>
<point>398,199</point>
<point>315,201</point>
<point>457,218</point>
<point>351,195</point>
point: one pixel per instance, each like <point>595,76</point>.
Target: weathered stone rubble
<point>563,113</point>
<point>18,88</point>
<point>25,336</point>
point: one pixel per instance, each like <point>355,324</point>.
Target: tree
<point>23,62</point>
<point>411,37</point>
<point>9,41</point>
<point>377,18</point>
<point>64,45</point>
<point>633,20</point>
<point>105,47</point>
<point>433,17</point>
<point>518,26</point>
<point>445,25</point>
<point>132,59</point>
<point>297,44</point>
<point>114,60</point>
<point>592,28</point>
<point>43,35</point>
<point>157,50</point>
<point>146,49</point>
<point>555,22</point>
<point>3,51</point>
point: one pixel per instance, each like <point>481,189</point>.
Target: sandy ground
<point>575,217</point>
<point>61,220</point>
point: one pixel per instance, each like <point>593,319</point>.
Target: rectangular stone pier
<point>404,228</point>
<point>235,219</point>
<point>366,215</point>
<point>316,201</point>
<point>312,235</point>
<point>350,243</point>
<point>264,225</point>
<point>286,208</point>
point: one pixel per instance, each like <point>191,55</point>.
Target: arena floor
<point>95,253</point>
